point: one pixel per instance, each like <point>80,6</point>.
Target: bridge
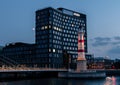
<point>27,72</point>
<point>30,69</point>
<point>11,69</point>
<point>35,72</point>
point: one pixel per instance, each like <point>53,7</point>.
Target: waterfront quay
<point>25,72</point>
<point>46,74</point>
<point>111,72</point>
<point>14,73</point>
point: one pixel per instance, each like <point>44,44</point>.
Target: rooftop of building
<point>65,11</point>
<point>19,44</point>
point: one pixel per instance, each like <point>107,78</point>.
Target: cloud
<point>116,40</point>
<point>101,41</point>
<point>116,43</point>
<point>117,37</point>
<point>114,50</point>
<point>109,46</point>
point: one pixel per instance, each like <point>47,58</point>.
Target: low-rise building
<point>22,53</point>
<point>90,60</point>
<point>108,63</point>
<point>98,63</point>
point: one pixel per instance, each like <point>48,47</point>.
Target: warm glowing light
<point>53,50</point>
<point>46,27</point>
<point>110,81</point>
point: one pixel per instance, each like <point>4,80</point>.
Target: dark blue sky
<point>17,18</point>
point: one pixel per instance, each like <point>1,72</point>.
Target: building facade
<point>56,33</point>
<point>90,60</point>
<point>56,40</point>
<point>20,53</point>
<point>1,50</point>
<point>99,63</point>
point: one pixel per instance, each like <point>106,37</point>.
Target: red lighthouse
<point>81,60</point>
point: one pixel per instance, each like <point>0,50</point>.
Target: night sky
<point>17,19</point>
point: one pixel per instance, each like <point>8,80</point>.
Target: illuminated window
<point>46,27</point>
<point>84,24</point>
<point>53,50</point>
<point>64,47</point>
<point>55,28</point>
<point>49,50</point>
<point>72,25</point>
<point>60,29</point>
<point>42,27</point>
<point>49,26</point>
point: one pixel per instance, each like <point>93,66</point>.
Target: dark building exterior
<point>90,60</point>
<point>99,62</point>
<point>56,33</point>
<point>21,53</point>
<point>56,40</point>
<point>1,50</point>
<point>1,55</point>
<point>109,64</point>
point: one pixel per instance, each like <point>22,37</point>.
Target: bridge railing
<point>4,68</point>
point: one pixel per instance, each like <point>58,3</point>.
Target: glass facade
<point>21,53</point>
<point>56,40</point>
<point>56,33</point>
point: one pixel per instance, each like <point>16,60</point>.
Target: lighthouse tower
<point>81,60</point>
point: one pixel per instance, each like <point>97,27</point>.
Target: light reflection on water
<point>55,81</point>
<point>110,81</point>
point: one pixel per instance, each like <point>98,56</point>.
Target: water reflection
<point>54,82</point>
<point>110,81</point>
<point>3,83</point>
<point>58,81</point>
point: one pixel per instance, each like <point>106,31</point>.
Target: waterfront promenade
<point>26,72</point>
<point>23,68</point>
<point>7,69</point>
<point>33,72</point>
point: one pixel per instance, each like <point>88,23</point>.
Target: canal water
<point>59,81</point>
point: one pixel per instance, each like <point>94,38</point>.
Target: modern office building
<point>57,33</point>
<point>56,40</point>
<point>20,53</point>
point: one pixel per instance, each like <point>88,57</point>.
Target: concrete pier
<point>81,65</point>
<point>82,75</point>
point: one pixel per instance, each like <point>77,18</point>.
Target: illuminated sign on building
<point>76,14</point>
